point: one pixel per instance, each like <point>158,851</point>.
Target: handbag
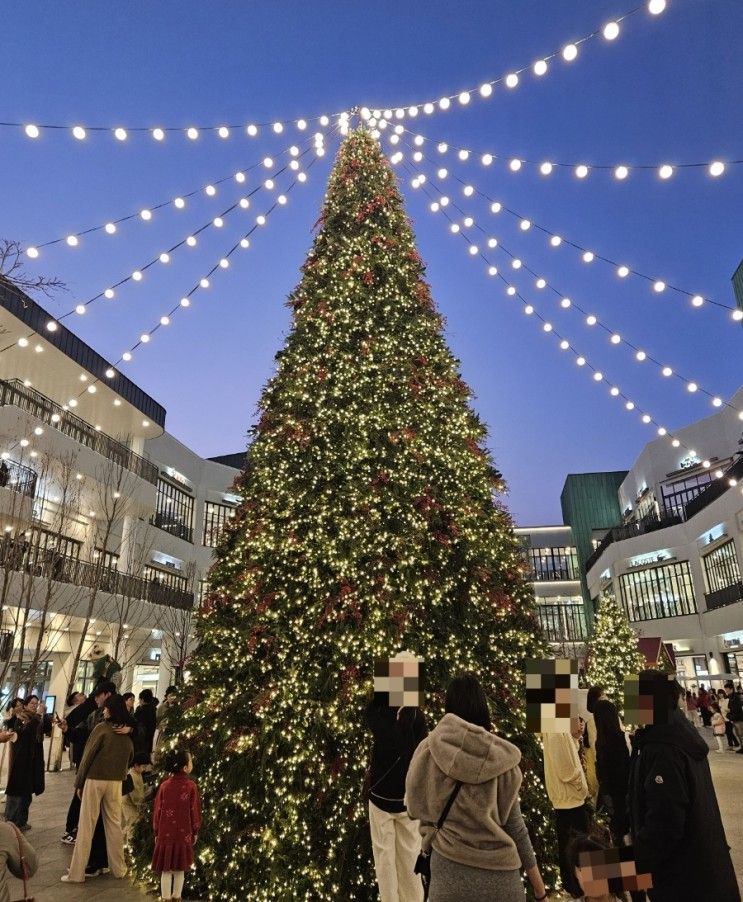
<point>423,862</point>
<point>24,867</point>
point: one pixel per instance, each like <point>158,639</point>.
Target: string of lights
<point>567,52</point>
<point>565,302</point>
<point>565,344</point>
<point>164,258</point>
<point>621,171</point>
<point>146,214</point>
<point>202,284</point>
<point>192,133</point>
<point>555,240</point>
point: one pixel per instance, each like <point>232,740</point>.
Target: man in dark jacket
<point>735,712</point>
<point>677,830</point>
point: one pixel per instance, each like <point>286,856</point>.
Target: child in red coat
<point>176,819</point>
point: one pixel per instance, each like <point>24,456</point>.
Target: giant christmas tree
<point>368,525</point>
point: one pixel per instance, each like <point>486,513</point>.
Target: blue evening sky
<point>667,90</point>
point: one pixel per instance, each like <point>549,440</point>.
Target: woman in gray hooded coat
<point>483,842</point>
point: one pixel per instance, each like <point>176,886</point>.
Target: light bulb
<point>737,315</point>
<point>565,303</point>
<point>80,309</point>
<point>486,159</point>
<point>547,327</point>
<point>278,128</point>
<point>92,389</point>
<point>665,171</point>
<point>185,302</point>
<point>442,173</point>
<point>32,252</point>
<point>468,222</point>
<point>640,356</point>
<point>192,133</point>
<point>464,98</point>
<point>659,286</point>
<point>646,418</point>
<point>137,275</point>
<point>428,108</point>
<point>191,241</point>
<point>486,89</point>
<point>555,241</point>
<point>79,132</point>
<point>616,338</point>
<point>110,373</point>
<point>614,391</point>
<point>564,344</point>
<point>244,243</point>
<point>210,190</point>
<point>622,272</point>
<point>224,263</point>
<point>692,387</point>
<point>164,257</point>
<point>110,228</point>
<point>301,124</point>
<point>492,270</point>
<point>495,207</point>
<point>515,165</point>
<point>591,320</point>
<point>541,283</point>
<point>662,430</point>
<point>588,256</point>
<point>126,356</point>
<point>581,171</point>
<point>621,172</point>
<point>158,134</point>
<point>23,342</point>
<point>524,225</point>
<point>204,283</point>
<point>223,131</point>
<point>512,80</point>
<point>492,242</point>
<point>716,168</point>
<point>32,131</point>
<point>581,361</point>
<point>598,376</point>
<point>120,134</point>
<point>717,402</point>
<point>569,52</point>
<point>108,293</point>
<point>454,228</point>
<point>72,240</point>
<point>675,443</point>
<point>252,130</point>
<point>540,67</point>
<point>630,405</point>
<point>164,320</point>
<point>474,249</point>
<point>179,203</point>
<point>611,31</point>
<point>697,300</point>
<point>667,371</point>
<point>516,263</point>
<point>656,7</point>
<point>468,190</point>
<point>463,155</point>
<point>146,215</point>
<point>546,168</point>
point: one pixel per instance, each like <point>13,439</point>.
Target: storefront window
<point>721,567</point>
<point>657,592</point>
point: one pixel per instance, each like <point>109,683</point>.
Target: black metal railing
<point>715,489</point>
<point>650,523</point>
<point>723,597</point>
<point>15,393</point>
<point>563,623</point>
<point>175,527</point>
<point>18,478</point>
<point>45,563</point>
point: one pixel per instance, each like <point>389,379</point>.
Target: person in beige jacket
<point>483,842</point>
<point>567,790</point>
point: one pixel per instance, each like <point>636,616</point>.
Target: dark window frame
<point>552,563</point>
<point>721,567</point>
<point>216,517</point>
<point>647,586</point>
<point>174,512</point>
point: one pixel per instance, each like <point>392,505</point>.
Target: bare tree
<point>11,269</point>
<point>177,627</point>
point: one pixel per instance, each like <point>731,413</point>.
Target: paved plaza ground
<point>48,817</point>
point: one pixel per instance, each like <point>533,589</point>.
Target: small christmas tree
<point>368,525</point>
<point>612,652</point>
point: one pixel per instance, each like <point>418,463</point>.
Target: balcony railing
<point>15,393</point>
<point>562,623</point>
<point>17,478</point>
<point>715,489</point>
<point>175,527</point>
<point>723,597</point>
<point>553,574</point>
<point>650,523</point>
<point>46,563</point>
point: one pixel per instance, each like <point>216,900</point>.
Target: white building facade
<point>107,523</point>
<point>675,561</point>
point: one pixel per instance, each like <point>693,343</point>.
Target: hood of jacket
<point>678,732</point>
<point>469,753</point>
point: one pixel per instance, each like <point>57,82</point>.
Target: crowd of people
<point>111,746</point>
<point>452,797</point>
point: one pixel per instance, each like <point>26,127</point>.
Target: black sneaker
<point>68,839</point>
<point>92,872</point>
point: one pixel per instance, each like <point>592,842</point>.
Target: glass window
<point>654,592</point>
<point>552,563</point>
<point>563,622</point>
<point>721,567</point>
<point>677,494</point>
<point>85,678</point>
<point>110,559</point>
<point>215,518</point>
<point>174,511</point>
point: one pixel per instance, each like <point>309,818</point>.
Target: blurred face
<point>129,704</point>
<point>79,698</point>
<point>32,706</point>
<point>100,699</point>
<point>106,714</point>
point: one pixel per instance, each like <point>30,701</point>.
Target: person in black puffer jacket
<point>397,733</point>
<point>612,767</point>
<point>677,831</point>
